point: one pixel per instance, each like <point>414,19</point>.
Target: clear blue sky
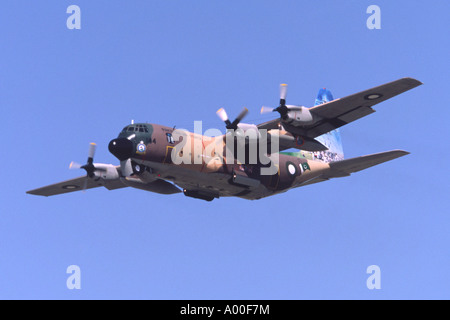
<point>173,62</point>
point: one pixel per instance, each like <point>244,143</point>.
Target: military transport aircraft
<point>148,152</point>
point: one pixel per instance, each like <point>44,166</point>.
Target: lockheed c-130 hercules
<point>148,152</point>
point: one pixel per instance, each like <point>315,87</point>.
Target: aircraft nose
<point>121,148</point>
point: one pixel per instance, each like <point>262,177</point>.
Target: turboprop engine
<point>298,115</point>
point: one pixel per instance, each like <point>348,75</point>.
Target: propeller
<point>282,109</point>
<point>265,109</point>
<point>231,125</point>
<point>74,165</point>
<point>89,166</point>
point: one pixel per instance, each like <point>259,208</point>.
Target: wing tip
<point>394,154</point>
<point>412,81</point>
<point>401,153</point>
<point>35,193</point>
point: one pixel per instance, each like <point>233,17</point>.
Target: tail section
<point>332,139</point>
<point>346,167</point>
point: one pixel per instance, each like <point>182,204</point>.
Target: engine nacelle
<point>298,115</point>
<point>106,171</point>
<point>247,130</point>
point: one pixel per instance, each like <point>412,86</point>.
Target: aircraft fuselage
<point>207,174</point>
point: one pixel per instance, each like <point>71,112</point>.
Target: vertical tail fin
<point>332,139</point>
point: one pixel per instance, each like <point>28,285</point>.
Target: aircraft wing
<point>76,184</point>
<point>342,111</point>
<point>346,167</point>
<point>270,125</point>
<point>339,112</point>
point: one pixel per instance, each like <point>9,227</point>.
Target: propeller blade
<point>222,114</point>
<point>92,148</point>
<point>241,115</point>
<point>265,109</point>
<point>85,184</point>
<point>283,92</point>
<point>238,119</point>
<point>74,165</point>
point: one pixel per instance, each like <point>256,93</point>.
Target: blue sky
<point>173,62</point>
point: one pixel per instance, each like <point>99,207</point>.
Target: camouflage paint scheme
<point>215,178</point>
<point>145,153</point>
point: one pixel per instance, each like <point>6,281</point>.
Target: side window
<point>170,138</point>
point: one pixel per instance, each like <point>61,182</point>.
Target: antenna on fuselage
<point>132,121</point>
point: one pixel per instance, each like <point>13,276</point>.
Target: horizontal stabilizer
<point>346,167</point>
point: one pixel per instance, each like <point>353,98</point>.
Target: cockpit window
<point>136,128</point>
